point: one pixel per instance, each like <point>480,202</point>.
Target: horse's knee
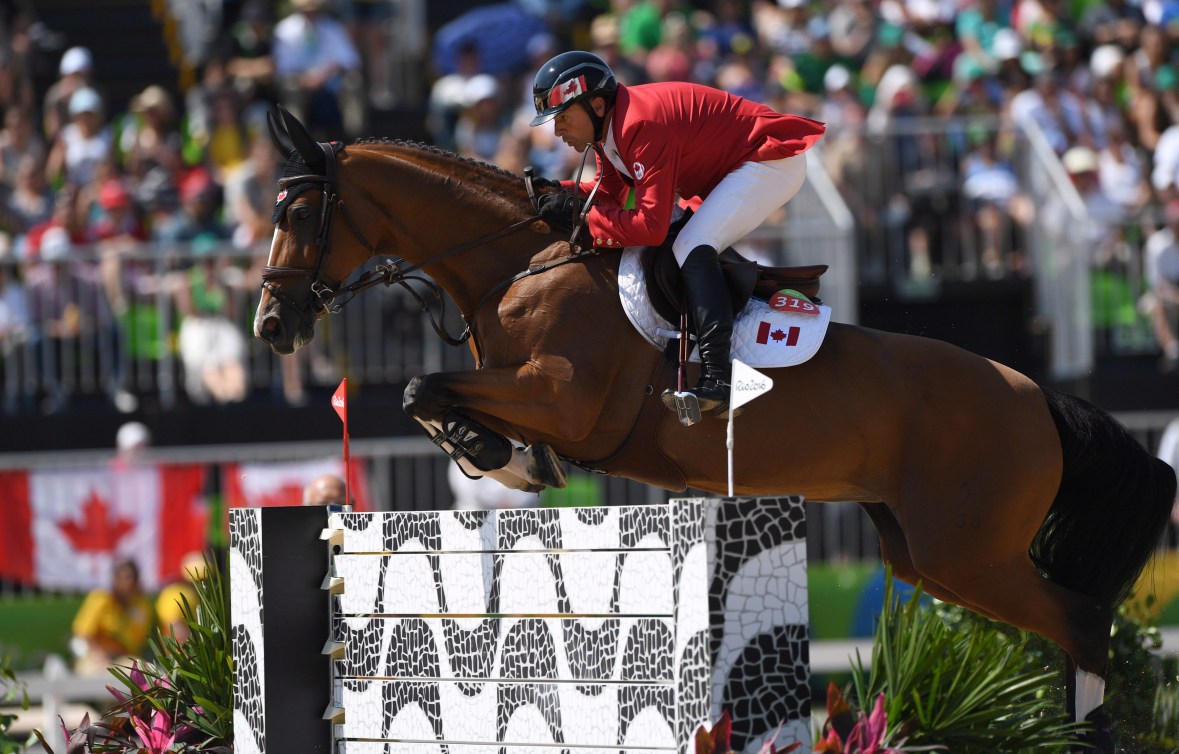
<point>424,398</point>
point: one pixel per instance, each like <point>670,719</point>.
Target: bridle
<point>323,293</point>
<point>393,270</point>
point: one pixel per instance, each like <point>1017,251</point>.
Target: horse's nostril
<point>271,329</point>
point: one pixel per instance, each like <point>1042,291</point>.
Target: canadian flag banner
<point>64,528</point>
<point>255,485</point>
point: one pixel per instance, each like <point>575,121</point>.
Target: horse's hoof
<point>422,398</point>
<point>545,468</point>
<point>1099,738</point>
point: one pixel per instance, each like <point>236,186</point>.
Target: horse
<point>1025,505</point>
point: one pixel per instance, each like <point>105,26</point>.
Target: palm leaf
<point>966,687</point>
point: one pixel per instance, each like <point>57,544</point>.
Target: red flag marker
<point>340,404</point>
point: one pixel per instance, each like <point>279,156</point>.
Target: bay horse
<point>1020,503</point>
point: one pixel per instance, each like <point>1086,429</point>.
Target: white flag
<point>748,383</point>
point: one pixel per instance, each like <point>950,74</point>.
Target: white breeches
<point>740,203</point>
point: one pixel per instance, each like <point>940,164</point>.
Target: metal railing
<point>113,324</point>
<point>939,200</point>
<point>914,187</point>
<point>815,227</point>
<point>117,324</point>
<point>897,207</point>
<point>1062,247</point>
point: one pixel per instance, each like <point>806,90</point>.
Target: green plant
<point>967,687</point>
<point>848,731</point>
<point>183,702</point>
<point>1132,667</point>
<point>200,670</point>
<point>137,725</point>
<point>718,740</point>
<point>1165,713</point>
<point>10,690</point>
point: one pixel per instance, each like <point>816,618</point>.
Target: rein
<point>392,271</point>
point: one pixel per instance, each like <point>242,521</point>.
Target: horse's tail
<point>1112,507</point>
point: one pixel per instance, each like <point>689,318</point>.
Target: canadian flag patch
<point>569,90</point>
<point>767,332</point>
<point>281,195</point>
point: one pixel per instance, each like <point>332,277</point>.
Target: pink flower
<point>830,744</point>
<point>138,678</point>
<point>119,696</point>
<point>158,736</point>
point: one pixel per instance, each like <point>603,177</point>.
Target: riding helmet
<point>570,77</point>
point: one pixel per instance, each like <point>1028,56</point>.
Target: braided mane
<point>480,170</point>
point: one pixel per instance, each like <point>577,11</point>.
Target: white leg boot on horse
<point>487,452</point>
<point>529,469</point>
<point>711,310</point>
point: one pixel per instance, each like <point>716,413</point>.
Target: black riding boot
<point>711,310</point>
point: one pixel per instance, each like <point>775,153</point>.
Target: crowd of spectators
<point>1099,77</point>
<point>922,99</point>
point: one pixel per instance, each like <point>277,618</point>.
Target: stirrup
<point>685,405</point>
<point>689,406</point>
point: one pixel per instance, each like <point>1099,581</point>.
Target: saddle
<point>745,277</point>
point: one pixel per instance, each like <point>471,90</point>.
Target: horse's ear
<point>278,134</point>
<point>304,142</point>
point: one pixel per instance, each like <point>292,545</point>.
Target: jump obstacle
<point>551,631</point>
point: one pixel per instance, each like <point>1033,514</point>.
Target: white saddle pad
<point>762,336</point>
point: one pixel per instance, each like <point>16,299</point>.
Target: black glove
<point>559,209</point>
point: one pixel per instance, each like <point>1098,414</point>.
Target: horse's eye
<point>300,212</point>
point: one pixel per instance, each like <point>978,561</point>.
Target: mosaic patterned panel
<point>245,587</point>
<point>635,715</point>
<point>434,747</point>
<point>693,669</point>
<point>721,585</point>
<point>757,595</point>
<point>532,529</point>
<point>581,649</point>
<point>515,583</point>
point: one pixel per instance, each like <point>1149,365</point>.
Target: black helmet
<point>570,77</point>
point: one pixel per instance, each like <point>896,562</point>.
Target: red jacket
<point>680,140</point>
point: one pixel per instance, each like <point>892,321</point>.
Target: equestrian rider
<point>731,160</point>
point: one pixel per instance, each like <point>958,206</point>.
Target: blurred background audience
<point>134,223</point>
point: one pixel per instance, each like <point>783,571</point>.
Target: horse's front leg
<point>524,398</point>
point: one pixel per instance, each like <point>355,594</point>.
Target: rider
<point>732,160</point>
